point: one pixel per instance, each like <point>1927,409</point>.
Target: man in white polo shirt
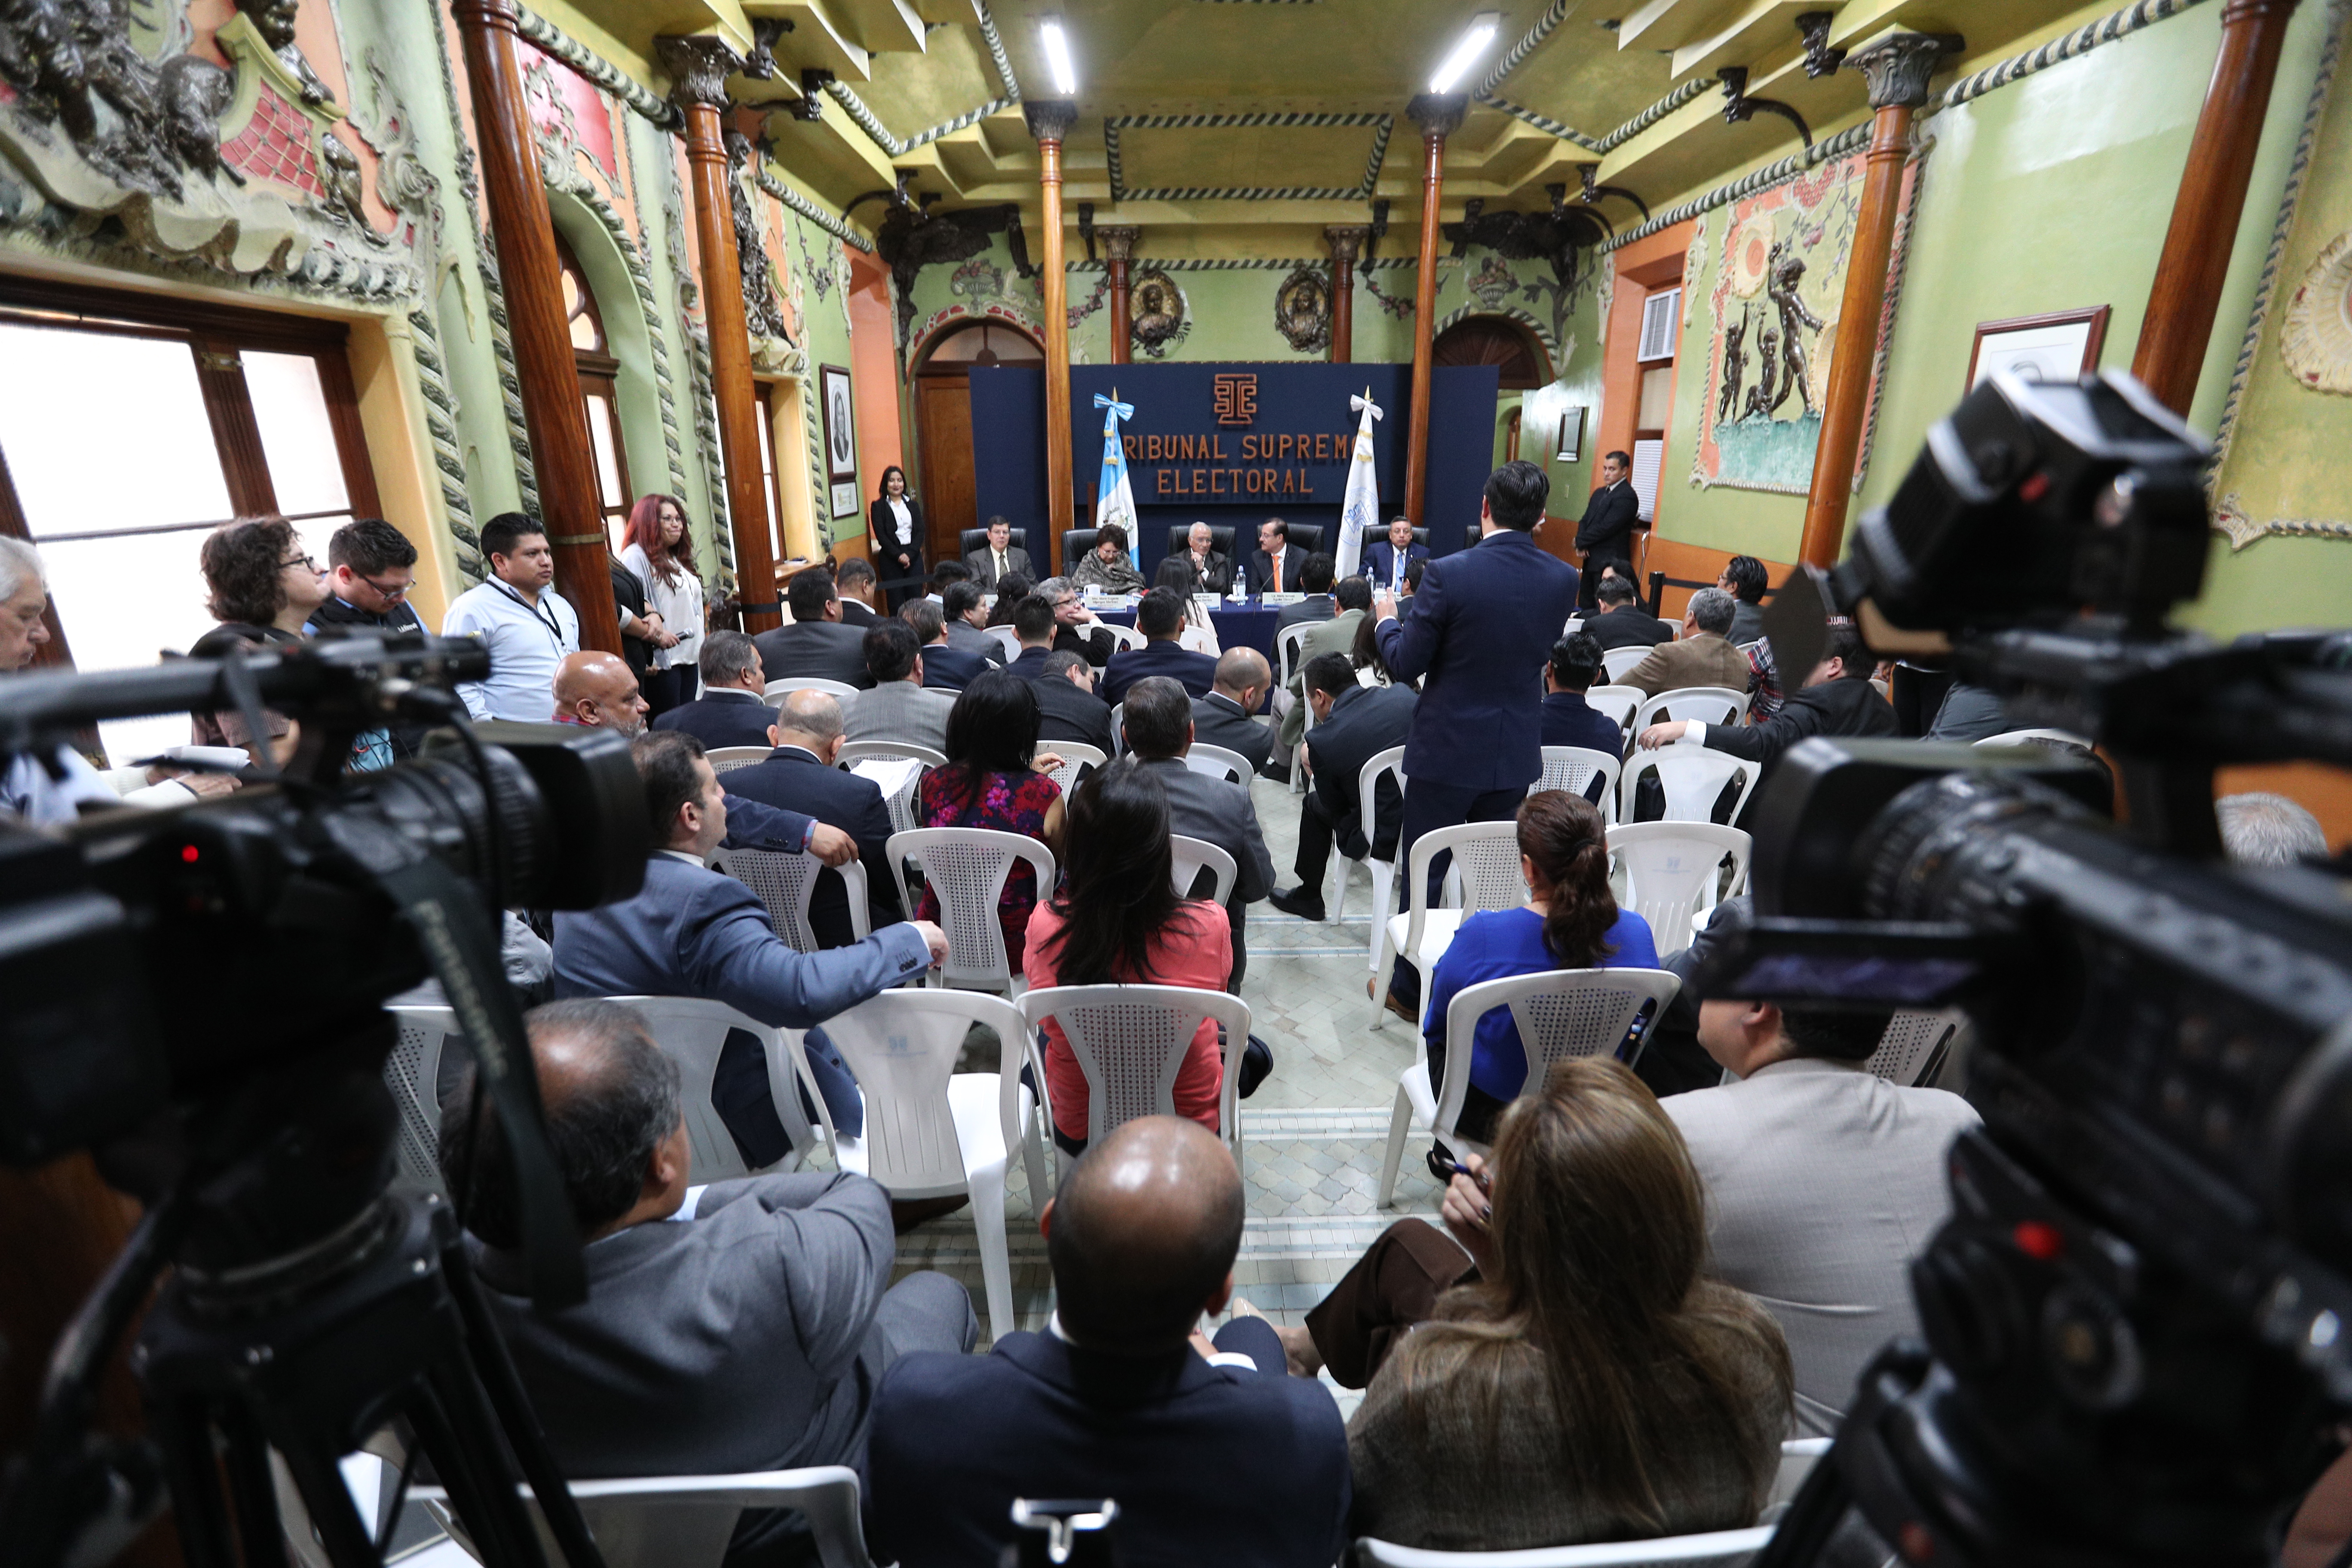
<point>518,615</point>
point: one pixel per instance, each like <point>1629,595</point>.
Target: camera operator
<point>1837,700</point>
<point>27,789</point>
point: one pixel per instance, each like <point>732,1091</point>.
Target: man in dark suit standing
<point>1621,622</point>
<point>999,558</point>
<point>1229,1460</point>
<point>1606,531</point>
<point>1161,618</point>
<point>733,710</point>
<point>799,775</point>
<point>1274,566</point>
<point>1387,559</point>
<point>815,646</point>
<point>1224,719</point>
<point>1476,636</point>
<point>1067,706</point>
<point>1353,723</point>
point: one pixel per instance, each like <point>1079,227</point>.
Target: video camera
<point>196,997</point>
<point>2134,1320</point>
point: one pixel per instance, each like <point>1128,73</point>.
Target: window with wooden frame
<point>599,394</point>
<point>774,487</point>
<point>130,427</point>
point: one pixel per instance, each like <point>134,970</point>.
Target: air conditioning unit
<point>1661,320</point>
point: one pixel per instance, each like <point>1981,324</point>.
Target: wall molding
<point>553,41</point>
<point>808,209</point>
<point>1382,127</point>
<point>1623,134</point>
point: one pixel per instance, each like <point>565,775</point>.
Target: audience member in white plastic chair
<point>1586,1383</point>
<point>1837,700</point>
<point>996,778</point>
<point>743,1336</point>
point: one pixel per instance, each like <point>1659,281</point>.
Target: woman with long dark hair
<point>1011,589</point>
<point>1198,636</point>
<point>1571,921</point>
<point>659,553</point>
<point>895,523</point>
<point>990,782</point>
<point>1588,1384</point>
<point>1117,920</point>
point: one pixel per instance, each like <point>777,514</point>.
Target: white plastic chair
<point>1118,729</point>
<point>1130,1041</point>
<point>412,1072</point>
<point>726,759</point>
<point>1486,863</point>
<point>1188,855</point>
<point>967,867</point>
<point>1218,763</point>
<point>691,1031</point>
<point>1006,638</point>
<point>930,1130</point>
<point>1562,1013</point>
<point>1671,872</point>
<point>1691,778</point>
<point>1618,662</point>
<point>1572,768</point>
<point>1128,637</point>
<point>779,689</point>
<point>686,1521</point>
<point>1912,1050</point>
<point>1707,704</point>
<point>899,803</point>
<point>1287,662</point>
<point>1718,1549</point>
<point>785,883</point>
<point>2028,737</point>
<point>1382,872</point>
<point>1073,754</point>
<point>1620,702</point>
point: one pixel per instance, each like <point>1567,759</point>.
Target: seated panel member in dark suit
<point>778,1284</point>
<point>944,666</point>
<point>1605,532</point>
<point>731,710</point>
<point>1224,719</point>
<point>1387,559</point>
<point>1067,708</point>
<point>1159,732</point>
<point>1353,723</point>
<point>693,932</point>
<point>1274,566</point>
<point>1212,573</point>
<point>999,557</point>
<point>1837,700</point>
<point>1567,720</point>
<point>815,646</point>
<point>855,579</point>
<point>799,775</point>
<point>1161,618</point>
<point>1229,1461</point>
<point>1316,574</point>
<point>1620,620</point>
<point>1034,627</point>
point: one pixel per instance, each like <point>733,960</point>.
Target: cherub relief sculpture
<point>1734,366</point>
<point>1760,400</point>
<point>1784,270</point>
<point>274,20</point>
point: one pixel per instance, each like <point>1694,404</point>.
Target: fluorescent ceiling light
<point>1466,51</point>
<point>1057,55</point>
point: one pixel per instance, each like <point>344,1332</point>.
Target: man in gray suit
<point>733,1328</point>
<point>815,646</point>
<point>1159,732</point>
<point>962,615</point>
<point>1223,718</point>
<point>1000,558</point>
<point>899,707</point>
<point>1824,1184</point>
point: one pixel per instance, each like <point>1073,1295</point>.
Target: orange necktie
<point>1278,573</point>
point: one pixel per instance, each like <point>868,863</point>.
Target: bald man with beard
<point>1215,1453</point>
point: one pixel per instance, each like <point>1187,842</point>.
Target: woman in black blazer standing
<point>895,523</point>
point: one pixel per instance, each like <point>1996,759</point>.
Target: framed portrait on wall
<point>2059,346</point>
<point>1570,446</point>
<point>840,438</point>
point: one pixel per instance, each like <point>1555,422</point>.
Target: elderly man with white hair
<point>2259,828</point>
<point>1213,571</point>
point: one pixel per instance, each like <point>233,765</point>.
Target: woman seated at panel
<point>1199,635</point>
<point>1105,566</point>
<point>1116,919</point>
<point>990,782</point>
<point>1583,1383</point>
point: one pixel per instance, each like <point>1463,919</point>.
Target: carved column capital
<point>699,67</point>
<point>1117,240</point>
<point>1898,65</point>
<point>1346,240</point>
<point>1439,113</point>
<point>1049,119</point>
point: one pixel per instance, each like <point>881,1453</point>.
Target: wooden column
<point>2196,259</point>
<point>1897,66</point>
<point>1439,115</point>
<point>1049,119</point>
<point>1347,243</point>
<point>699,68</point>
<point>552,413</point>
<point>1118,250</point>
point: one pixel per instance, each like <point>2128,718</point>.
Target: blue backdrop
<point>1271,441</point>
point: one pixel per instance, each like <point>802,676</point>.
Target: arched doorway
<point>1516,352</point>
<point>943,424</point>
<point>600,396</point>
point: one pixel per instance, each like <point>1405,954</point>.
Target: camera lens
<point>1939,849</point>
<point>439,800</point>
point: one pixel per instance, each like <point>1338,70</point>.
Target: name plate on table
<point>1280,598</point>
<point>1095,598</point>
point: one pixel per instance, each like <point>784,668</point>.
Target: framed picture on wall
<point>844,498</point>
<point>840,425</point>
<point>2059,346</point>
<point>1570,446</point>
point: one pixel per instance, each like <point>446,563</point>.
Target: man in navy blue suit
<point>1567,719</point>
<point>1215,1453</point>
<point>1477,637</point>
<point>1385,560</point>
<point>1161,618</point>
<point>943,666</point>
<point>733,710</point>
<point>799,775</point>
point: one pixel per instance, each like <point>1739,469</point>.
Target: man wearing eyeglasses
<point>370,568</point>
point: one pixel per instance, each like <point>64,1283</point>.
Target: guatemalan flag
<point>1361,508</point>
<point>1114,496</point>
